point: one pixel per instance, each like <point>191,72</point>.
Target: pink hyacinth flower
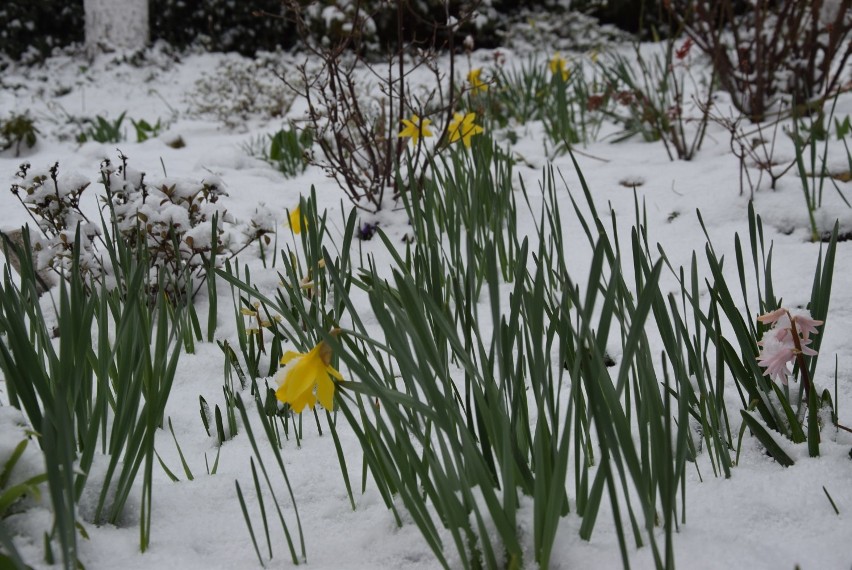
<point>779,345</point>
<point>772,316</point>
<point>774,356</point>
<point>805,324</point>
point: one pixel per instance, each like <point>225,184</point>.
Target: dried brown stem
<point>800,357</point>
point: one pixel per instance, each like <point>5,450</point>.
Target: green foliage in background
<point>18,132</point>
<point>103,130</point>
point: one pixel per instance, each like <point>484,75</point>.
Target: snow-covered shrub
<point>31,29</point>
<point>116,24</point>
<point>239,90</point>
<point>376,25</point>
<point>53,201</point>
<point>172,220</point>
<point>341,21</point>
<point>542,27</point>
<point>169,223</point>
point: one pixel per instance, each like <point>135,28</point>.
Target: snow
<point>765,516</point>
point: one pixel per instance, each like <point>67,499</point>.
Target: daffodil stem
<point>316,417</point>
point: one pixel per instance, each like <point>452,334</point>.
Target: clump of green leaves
<point>102,386</point>
<point>556,92</point>
<point>769,408</point>
<point>487,410</point>
<point>843,128</point>
<point>16,131</point>
<point>518,92</point>
<point>573,111</point>
<point>513,394</point>
<point>145,130</point>
<point>808,134</point>
<point>288,150</point>
<point>469,198</point>
<point>16,486</point>
<point>102,130</point>
<point>10,495</point>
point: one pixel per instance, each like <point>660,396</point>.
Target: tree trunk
<point>116,24</point>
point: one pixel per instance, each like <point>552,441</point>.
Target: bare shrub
<point>776,48</point>
<point>355,104</point>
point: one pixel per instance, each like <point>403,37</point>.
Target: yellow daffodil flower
<point>296,220</point>
<point>558,65</point>
<point>415,128</point>
<point>305,373</point>
<point>462,127</point>
<point>476,84</point>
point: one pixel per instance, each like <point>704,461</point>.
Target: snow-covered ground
<point>764,516</point>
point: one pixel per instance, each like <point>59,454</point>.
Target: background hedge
<point>33,28</point>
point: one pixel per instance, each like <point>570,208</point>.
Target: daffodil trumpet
<point>308,378</point>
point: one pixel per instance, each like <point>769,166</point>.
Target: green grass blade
<point>765,438</point>
<point>248,522</point>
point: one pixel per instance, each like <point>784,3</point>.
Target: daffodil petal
<point>296,220</point>
<point>325,391</point>
<point>307,399</point>
<point>290,355</point>
<point>301,378</point>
